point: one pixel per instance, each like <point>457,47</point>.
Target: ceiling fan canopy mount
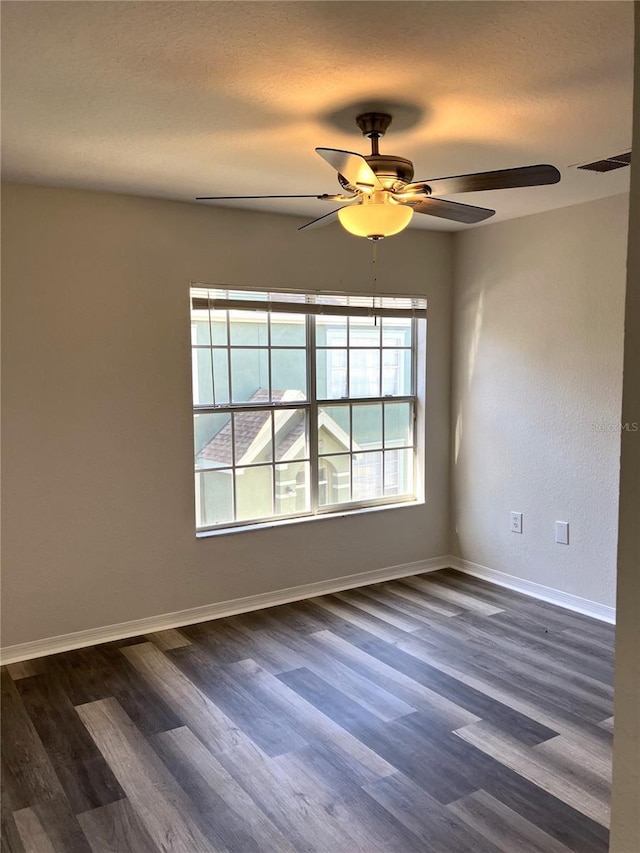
<point>374,124</point>
<point>381,196</point>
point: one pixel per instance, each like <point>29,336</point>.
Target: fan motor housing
<point>392,171</point>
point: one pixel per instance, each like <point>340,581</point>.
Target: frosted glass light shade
<point>375,219</point>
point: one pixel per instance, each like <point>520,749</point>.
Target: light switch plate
<point>562,532</point>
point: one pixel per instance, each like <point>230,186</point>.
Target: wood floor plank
<point>155,796</point>
<point>582,796</point>
<point>480,589</point>
<point>431,607</point>
<point>32,833</point>
<point>439,830</point>
<point>421,762</point>
<point>418,586</point>
<point>252,769</point>
<point>363,601</point>
<point>451,752</point>
<point>225,639</point>
<point>564,693</point>
<point>294,616</point>
<point>242,825</point>
<point>332,621</point>
<point>271,655</point>
<point>581,642</point>
<point>506,829</point>
<point>101,672</point>
<point>301,618</point>
<point>29,776</point>
<point>435,714</point>
<point>230,696</point>
<point>464,601</point>
<point>11,839</point>
<point>420,697</point>
<point>292,807</point>
<point>280,638</point>
<point>25,668</point>
<point>320,725</point>
<point>354,616</point>
<point>553,616</point>
<point>349,807</point>
<point>10,801</point>
<point>373,697</point>
<point>582,758</point>
<point>170,639</point>
<point>413,663</point>
<point>329,826</point>
<point>400,599</point>
<point>81,770</point>
<point>201,715</point>
<point>555,817</point>
<point>584,639</point>
<point>535,647</point>
<point>530,670</point>
<point>529,704</point>
<point>116,828</point>
<point>60,827</point>
<point>526,632</point>
<point>328,699</point>
<point>384,595</point>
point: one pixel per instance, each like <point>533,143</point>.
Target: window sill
<point>265,525</point>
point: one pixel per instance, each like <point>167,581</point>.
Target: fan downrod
<point>373,126</point>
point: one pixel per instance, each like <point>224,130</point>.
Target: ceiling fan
<point>380,195</point>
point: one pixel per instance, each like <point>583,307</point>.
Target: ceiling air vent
<point>608,165</point>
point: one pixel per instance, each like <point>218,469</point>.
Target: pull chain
<point>374,275</point>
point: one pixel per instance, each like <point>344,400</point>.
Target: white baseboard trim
<point>122,630</point>
<point>136,627</point>
<point>537,590</point>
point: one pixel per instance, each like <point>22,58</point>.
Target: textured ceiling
<point>178,99</point>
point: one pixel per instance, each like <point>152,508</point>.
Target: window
<point>303,403</point>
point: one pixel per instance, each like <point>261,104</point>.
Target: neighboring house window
<point>304,403</point>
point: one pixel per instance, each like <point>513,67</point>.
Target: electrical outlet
<point>516,522</point>
<point>562,532</point>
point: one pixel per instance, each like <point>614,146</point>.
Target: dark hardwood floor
<point>435,714</point>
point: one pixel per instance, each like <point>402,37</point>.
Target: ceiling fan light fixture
<point>375,217</point>
<point>385,195</point>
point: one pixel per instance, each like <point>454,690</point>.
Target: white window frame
<point>311,304</point>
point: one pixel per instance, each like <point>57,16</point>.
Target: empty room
<point>320,427</point>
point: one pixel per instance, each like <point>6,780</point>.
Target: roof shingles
<point>248,425</point>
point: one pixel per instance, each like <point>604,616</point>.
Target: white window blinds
<point>308,302</point>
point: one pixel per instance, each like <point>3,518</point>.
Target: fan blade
<point>327,219</point>
<point>353,167</point>
<point>323,197</point>
<point>502,179</point>
<point>452,210</point>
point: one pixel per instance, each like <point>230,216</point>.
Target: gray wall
<point>538,320</point>
<point>97,434</point>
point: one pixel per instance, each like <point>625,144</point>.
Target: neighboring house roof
<point>253,431</point>
<point>220,448</point>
